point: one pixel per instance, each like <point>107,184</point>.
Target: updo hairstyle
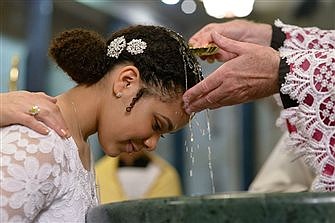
<point>166,65</point>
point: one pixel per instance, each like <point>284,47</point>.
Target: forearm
<point>307,80</point>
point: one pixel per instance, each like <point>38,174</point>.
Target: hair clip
<point>116,47</point>
<point>135,46</point>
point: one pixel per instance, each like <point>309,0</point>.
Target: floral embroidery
<point>311,56</point>
<point>42,171</point>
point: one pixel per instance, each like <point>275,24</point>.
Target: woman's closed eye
<point>157,127</point>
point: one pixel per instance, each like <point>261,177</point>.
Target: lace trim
<point>42,178</point>
<point>311,81</point>
<point>298,38</point>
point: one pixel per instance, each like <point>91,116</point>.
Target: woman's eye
<point>157,127</point>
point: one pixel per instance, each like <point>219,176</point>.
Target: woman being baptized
<point>129,90</point>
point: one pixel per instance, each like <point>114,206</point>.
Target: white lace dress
<point>310,54</point>
<point>42,178</point>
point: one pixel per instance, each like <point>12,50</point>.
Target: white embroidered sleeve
<point>298,38</point>
<point>29,174</point>
<point>311,81</point>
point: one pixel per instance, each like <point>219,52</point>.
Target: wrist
<point>266,30</point>
<point>275,70</point>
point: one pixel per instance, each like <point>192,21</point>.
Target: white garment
<point>310,54</point>
<point>136,181</point>
<point>282,172</point>
<point>42,178</point>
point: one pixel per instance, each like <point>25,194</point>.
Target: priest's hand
<point>251,74</point>
<point>240,30</point>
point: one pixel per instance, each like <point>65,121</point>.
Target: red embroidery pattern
<point>310,53</point>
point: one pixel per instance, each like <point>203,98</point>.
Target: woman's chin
<point>113,153</point>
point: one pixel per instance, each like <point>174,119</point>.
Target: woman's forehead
<point>179,117</point>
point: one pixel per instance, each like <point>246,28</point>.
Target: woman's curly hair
<point>166,64</point>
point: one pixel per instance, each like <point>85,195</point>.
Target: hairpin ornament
<point>134,47</point>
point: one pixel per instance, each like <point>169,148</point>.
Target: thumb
<point>226,44</point>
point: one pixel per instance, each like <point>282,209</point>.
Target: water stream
<point>190,62</point>
<point>190,148</point>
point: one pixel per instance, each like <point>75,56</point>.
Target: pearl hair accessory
<point>134,47</point>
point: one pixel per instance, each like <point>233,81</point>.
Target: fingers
<point>214,99</point>
<point>200,104</point>
<point>17,109</point>
<point>200,39</point>
<point>50,115</point>
<point>203,36</point>
<point>56,123</point>
<point>224,56</point>
<point>54,119</point>
<point>47,97</point>
<point>202,88</point>
<point>31,122</point>
<point>230,46</point>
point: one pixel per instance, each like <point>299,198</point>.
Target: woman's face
<point>121,131</point>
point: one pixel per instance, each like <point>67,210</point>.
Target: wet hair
<point>166,65</point>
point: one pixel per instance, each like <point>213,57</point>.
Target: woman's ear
<point>127,81</point>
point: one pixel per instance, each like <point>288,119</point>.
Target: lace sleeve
<point>298,38</point>
<point>29,173</point>
<point>311,81</point>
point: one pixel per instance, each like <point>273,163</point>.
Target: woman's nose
<point>151,142</point>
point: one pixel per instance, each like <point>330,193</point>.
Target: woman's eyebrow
<point>166,121</point>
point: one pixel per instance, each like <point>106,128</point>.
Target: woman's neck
<point>79,107</point>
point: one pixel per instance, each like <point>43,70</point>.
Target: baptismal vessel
<point>301,207</point>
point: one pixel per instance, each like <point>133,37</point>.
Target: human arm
<point>233,83</point>
<point>310,81</point>
<point>310,57</point>
<point>252,74</point>
<point>262,34</point>
<point>306,86</point>
<point>16,104</point>
<point>306,79</point>
<point>209,93</point>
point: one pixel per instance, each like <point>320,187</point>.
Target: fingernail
<point>65,133</point>
<point>47,131</point>
<point>188,111</point>
<point>186,101</point>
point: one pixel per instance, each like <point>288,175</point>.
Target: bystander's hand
<point>31,109</point>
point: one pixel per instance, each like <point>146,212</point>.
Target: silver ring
<point>34,110</point>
